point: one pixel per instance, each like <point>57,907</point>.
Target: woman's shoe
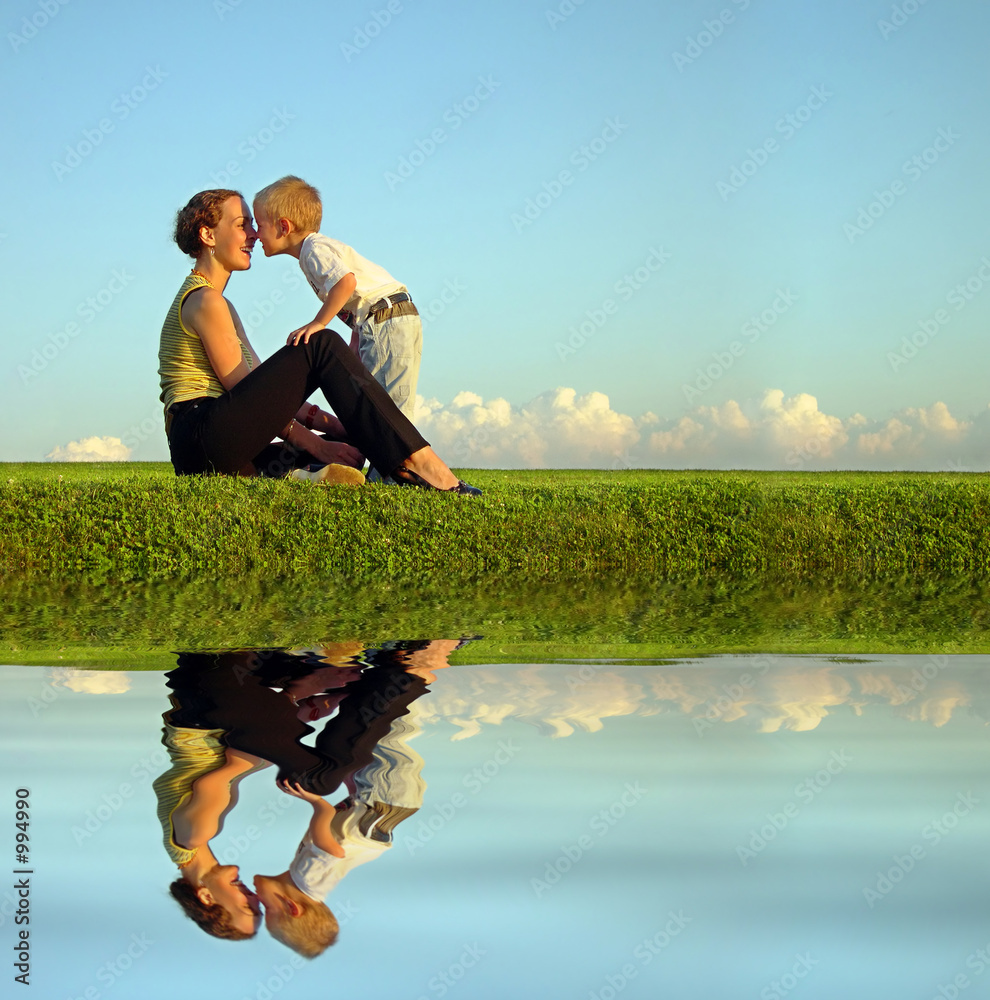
<point>406,477</point>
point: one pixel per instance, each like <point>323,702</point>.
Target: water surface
<point>693,828</point>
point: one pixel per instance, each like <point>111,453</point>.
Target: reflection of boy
<point>385,792</point>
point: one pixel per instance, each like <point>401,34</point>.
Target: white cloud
<point>561,429</point>
<point>92,681</point>
<point>91,449</point>
<point>558,429</point>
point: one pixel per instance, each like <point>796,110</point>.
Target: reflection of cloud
<point>780,695</point>
<point>91,449</point>
<point>92,681</point>
<point>561,429</point>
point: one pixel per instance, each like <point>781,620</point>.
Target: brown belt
<point>387,308</point>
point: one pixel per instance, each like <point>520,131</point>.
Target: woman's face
<point>234,236</point>
<point>227,889</point>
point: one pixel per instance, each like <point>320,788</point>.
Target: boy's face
<point>268,233</point>
<point>274,900</point>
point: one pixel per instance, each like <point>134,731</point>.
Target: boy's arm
<point>296,433</point>
<point>323,814</point>
<point>334,302</point>
<point>319,828</point>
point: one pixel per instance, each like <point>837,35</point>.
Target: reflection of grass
<point>117,564</point>
<point>137,521</point>
<point>136,625</point>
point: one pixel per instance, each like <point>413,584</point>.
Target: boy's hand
<point>305,332</point>
<point>297,790</point>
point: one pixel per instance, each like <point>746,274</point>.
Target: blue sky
<point>589,202</point>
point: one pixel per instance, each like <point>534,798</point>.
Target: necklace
<point>203,276</point>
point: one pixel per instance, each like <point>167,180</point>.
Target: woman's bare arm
<point>208,314</point>
<point>197,820</point>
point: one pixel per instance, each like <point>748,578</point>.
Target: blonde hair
<point>291,198</point>
<point>309,934</point>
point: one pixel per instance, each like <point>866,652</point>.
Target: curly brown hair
<point>212,917</point>
<point>203,209</point>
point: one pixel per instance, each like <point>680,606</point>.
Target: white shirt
<point>325,261</point>
<point>316,872</point>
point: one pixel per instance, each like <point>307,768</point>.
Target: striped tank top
<point>194,752</point>
<point>184,369</point>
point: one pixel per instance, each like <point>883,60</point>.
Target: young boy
<point>384,793</point>
<point>386,332</point>
<point>295,913</point>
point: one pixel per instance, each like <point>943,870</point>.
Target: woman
<point>194,796</point>
<point>223,406</point>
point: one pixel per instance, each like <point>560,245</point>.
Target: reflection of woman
<point>194,796</point>
<point>224,407</point>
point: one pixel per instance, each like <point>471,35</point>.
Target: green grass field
<point>118,564</point>
<point>138,521</point>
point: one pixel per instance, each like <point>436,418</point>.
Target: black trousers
<point>230,691</point>
<point>224,434</point>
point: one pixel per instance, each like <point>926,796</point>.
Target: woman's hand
<point>305,332</point>
<point>336,452</point>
